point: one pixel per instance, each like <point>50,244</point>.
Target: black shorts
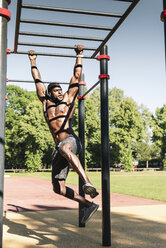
<point>60,165</point>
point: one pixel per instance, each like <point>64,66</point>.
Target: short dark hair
<point>53,85</point>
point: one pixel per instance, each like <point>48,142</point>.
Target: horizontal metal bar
<point>74,11</point>
<point>29,81</point>
<point>129,9</point>
<point>17,28</point>
<point>124,0</point>
<point>62,24</point>
<point>53,46</point>
<point>60,36</point>
<point>91,88</point>
<point>52,54</point>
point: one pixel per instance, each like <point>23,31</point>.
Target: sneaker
<point>89,189</point>
<point>88,212</point>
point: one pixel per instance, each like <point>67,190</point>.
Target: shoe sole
<point>93,195</point>
<point>90,190</point>
<point>92,213</point>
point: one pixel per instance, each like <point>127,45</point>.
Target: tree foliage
<point>146,152</point>
<point>92,129</point>
<point>15,147</point>
<point>127,127</point>
<point>159,131</point>
<point>39,142</point>
<point>92,132</point>
<point>28,142</point>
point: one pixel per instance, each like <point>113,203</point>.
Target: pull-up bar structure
<point>102,40</point>
<point>22,34</point>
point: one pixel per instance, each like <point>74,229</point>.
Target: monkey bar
<point>54,54</point>
<point>30,82</point>
<point>53,46</point>
<point>99,41</point>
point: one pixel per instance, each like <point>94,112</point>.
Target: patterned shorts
<point>60,165</point>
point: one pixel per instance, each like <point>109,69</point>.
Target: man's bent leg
<point>89,207</point>
<point>66,151</point>
<point>59,173</point>
<point>59,187</point>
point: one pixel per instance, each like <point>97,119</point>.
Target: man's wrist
<point>33,67</point>
<point>79,55</point>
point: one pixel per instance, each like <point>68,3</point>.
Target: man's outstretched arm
<point>73,86</point>
<point>40,87</point>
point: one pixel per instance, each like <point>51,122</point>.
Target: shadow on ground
<point>58,228</point>
<point>16,208</point>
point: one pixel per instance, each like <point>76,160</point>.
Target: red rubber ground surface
<point>32,194</point>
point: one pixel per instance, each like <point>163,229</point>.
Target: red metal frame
<point>82,83</point>
<point>163,15</point>
<point>103,56</point>
<point>8,51</point>
<point>81,97</point>
<point>104,76</point>
<point>5,13</point>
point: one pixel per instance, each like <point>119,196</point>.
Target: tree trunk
<point>147,164</point>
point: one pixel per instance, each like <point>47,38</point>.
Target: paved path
<point>136,222</point>
<point>21,194</point>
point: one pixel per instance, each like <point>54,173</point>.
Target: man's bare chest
<point>54,110</point>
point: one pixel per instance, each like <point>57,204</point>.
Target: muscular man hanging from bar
<point>58,110</point>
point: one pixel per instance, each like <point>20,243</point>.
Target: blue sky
<point>137,64</point>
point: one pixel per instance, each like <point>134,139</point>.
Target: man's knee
<point>60,188</point>
<point>69,193</point>
<point>56,187</point>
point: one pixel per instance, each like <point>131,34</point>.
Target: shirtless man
<point>58,109</point>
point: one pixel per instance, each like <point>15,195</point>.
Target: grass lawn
<point>150,185</point>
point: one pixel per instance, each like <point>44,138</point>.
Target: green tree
<point>38,140</point>
<point>129,124</point>
<point>18,99</point>
<point>127,128</point>
<point>146,116</point>
<point>92,129</point>
<point>116,96</point>
<point>126,157</point>
<point>159,131</point>
<point>92,132</point>
<point>145,152</point>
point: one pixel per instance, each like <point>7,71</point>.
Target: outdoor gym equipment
<point>103,78</point>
